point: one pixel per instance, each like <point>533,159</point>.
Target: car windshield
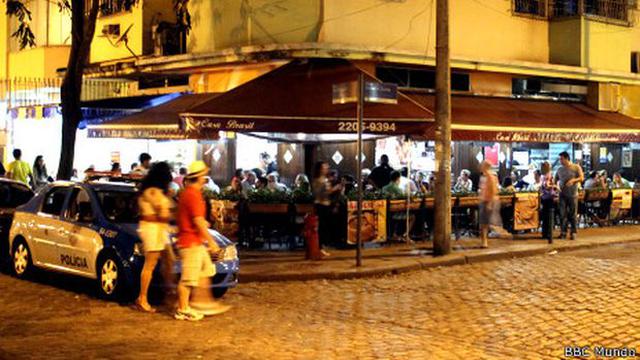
<point>119,206</point>
<point>13,195</point>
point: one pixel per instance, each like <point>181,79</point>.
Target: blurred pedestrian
<point>548,194</point>
<point>20,170</point>
<point>568,177</point>
<point>322,192</point>
<point>489,201</point>
<point>193,236</point>
<point>40,176</point>
<point>155,206</point>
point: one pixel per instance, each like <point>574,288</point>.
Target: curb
<point>420,263</point>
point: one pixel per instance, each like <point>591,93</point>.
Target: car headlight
<point>230,253</point>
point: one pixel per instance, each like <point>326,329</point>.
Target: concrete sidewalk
<point>267,266</point>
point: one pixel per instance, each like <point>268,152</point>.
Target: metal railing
<point>25,92</point>
<point>530,7</point>
<point>606,9</point>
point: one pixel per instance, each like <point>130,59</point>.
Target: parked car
<point>90,230</point>
<point>12,195</point>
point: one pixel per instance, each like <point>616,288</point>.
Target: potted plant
<point>269,202</point>
<point>303,201</point>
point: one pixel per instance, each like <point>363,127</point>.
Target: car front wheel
<point>219,292</point>
<point>21,257</point>
<point>110,277</point>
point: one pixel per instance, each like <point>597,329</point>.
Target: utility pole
<point>442,231</point>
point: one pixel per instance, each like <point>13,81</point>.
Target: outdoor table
<point>416,208</point>
<point>267,221</point>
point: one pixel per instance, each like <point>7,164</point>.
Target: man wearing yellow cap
<point>193,233</point>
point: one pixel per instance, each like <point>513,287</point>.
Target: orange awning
<point>478,118</point>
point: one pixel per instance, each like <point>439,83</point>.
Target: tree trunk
<point>83,25</point>
<point>442,231</point>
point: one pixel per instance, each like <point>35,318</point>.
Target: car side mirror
<point>85,214</point>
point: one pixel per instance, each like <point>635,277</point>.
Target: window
<point>607,9</point>
<point>54,200</point>
<point>109,7</point>
<point>408,78</point>
<point>119,206</point>
<point>80,207</point>
<point>531,7</point>
<point>13,195</point>
<point>635,62</point>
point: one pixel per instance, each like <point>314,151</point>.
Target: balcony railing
<point>109,7</point>
<point>530,7</point>
<point>23,92</point>
<point>607,9</point>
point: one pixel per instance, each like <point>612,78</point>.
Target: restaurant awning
<point>297,98</point>
<point>478,118</point>
<point>157,122</point>
<point>99,111</point>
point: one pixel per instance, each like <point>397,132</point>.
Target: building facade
<point>584,51</point>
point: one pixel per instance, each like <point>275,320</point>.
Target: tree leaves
<point>24,34</point>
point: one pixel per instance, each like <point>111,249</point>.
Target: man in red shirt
<point>193,234</point>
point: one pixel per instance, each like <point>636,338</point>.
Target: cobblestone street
<point>524,308</point>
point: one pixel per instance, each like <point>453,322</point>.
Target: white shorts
<point>196,264</point>
<point>154,236</point>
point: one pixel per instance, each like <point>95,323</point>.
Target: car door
<point>48,228</point>
<point>80,245</point>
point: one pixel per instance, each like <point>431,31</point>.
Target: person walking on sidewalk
<point>548,194</point>
<point>155,212</point>
<point>20,170</point>
<point>193,234</point>
<point>489,201</point>
<point>568,176</point>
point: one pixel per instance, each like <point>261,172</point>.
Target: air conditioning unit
<point>112,30</point>
<point>604,96</point>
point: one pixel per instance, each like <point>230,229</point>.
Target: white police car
<point>89,230</point>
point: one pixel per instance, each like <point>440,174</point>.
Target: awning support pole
<point>360,109</point>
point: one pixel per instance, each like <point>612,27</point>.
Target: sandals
<point>144,308</point>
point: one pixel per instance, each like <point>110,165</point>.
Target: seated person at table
<point>604,178</point>
<point>261,183</point>
<point>507,185</point>
<point>593,181</point>
<point>464,183</point>
<point>517,182</point>
<point>619,182</point>
<point>274,184</point>
<point>235,187</point>
<point>393,187</point>
<point>398,218</point>
<point>302,183</point>
<point>537,181</point>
